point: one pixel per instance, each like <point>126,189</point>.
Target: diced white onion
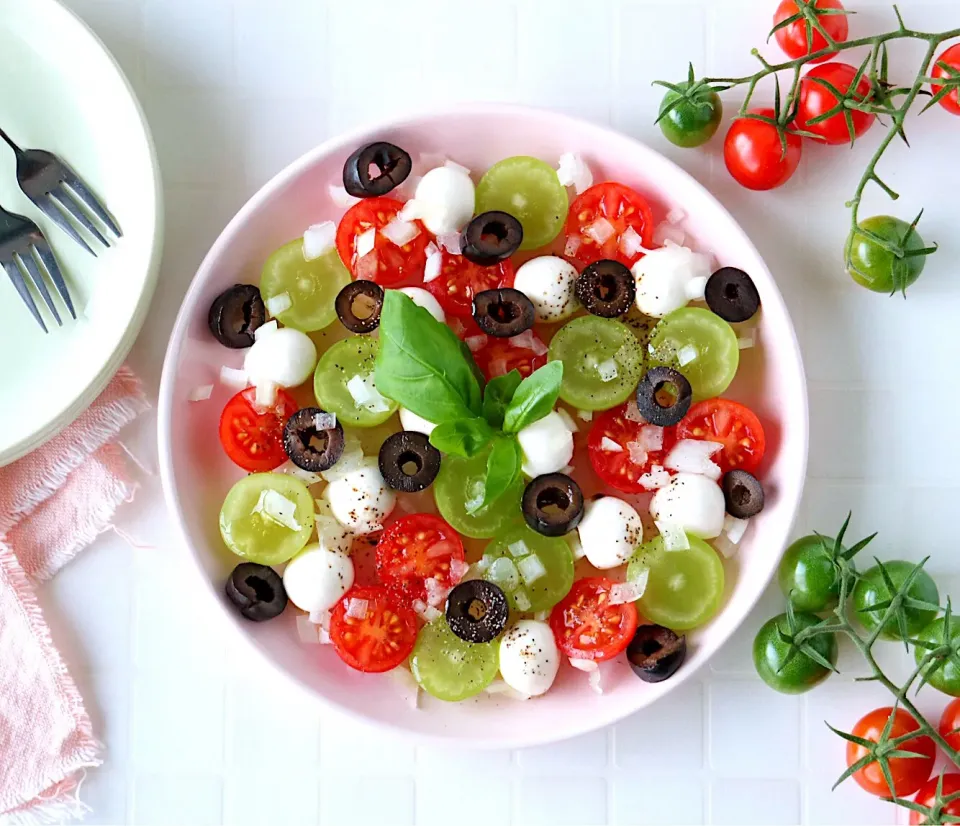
<point>411,210</point>
<point>265,330</point>
<point>594,680</point>
<point>695,287</point>
<point>676,215</point>
<point>458,569</point>
<point>572,246</point>
<point>325,421</point>
<point>368,266</point>
<point>725,546</point>
<point>200,393</point>
<point>568,420</point>
<point>747,340</point>
<point>503,572</point>
<point>686,354</point>
<point>735,528</point>
<point>407,685</point>
<point>426,612</point>
<point>666,233</point>
<point>651,437</point>
<point>431,160</point>
<point>450,241</point>
<point>630,591</point>
<point>365,242</point>
<point>586,415</point>
<point>608,445</point>
<point>638,453</point>
<point>436,593</point>
<point>321,618</point>
<point>278,304</point>
<point>657,478</point>
<point>528,341</point>
<point>674,536</point>
<point>308,477</point>
<point>276,507</point>
<point>573,171</point>
<point>587,666</point>
<point>632,413</point>
<point>458,167</point>
<point>631,244</point>
<point>232,377</point>
<point>319,239</point>
<point>693,456</point>
<point>518,548</point>
<point>476,342</point>
<point>266,395</point>
<point>531,568</point>
<point>607,370</point>
<point>350,460</point>
<point>498,686</point>
<point>434,265</point>
<point>307,631</point>
<point>400,232</point>
<point>341,197</point>
<point>600,230</point>
<point>365,394</point>
<point>498,367</point>
<point>576,546</point>
<point>442,548</point>
<point>522,600</point>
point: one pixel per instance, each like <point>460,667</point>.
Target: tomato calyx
<point>696,92</point>
<point>936,804</point>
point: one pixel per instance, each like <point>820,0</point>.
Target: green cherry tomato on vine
<point>808,576</point>
<point>871,589</point>
<point>780,671</point>
<point>690,121</point>
<point>881,270</point>
<point>945,677</point>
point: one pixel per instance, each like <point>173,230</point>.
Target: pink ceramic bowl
<point>196,473</point>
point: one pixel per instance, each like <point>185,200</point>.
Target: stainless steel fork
<point>60,194</point>
<point>25,252</point>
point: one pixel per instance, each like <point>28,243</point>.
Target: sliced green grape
<point>520,543</point>
<point>602,362</point>
<point>249,529</point>
<point>311,285</point>
<point>449,668</point>
<point>459,483</point>
<point>699,344</point>
<point>528,189</point>
<point>344,365</point>
<point>684,588</point>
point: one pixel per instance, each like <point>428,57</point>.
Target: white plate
<point>62,91</point>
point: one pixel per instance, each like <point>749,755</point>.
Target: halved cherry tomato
<point>950,58</point>
<point>379,640</point>
<point>615,467</point>
<point>460,280</point>
<point>908,773</point>
<point>387,263</point>
<point>949,727</point>
<point>816,99</point>
<point>587,626</point>
<point>793,37</point>
<point>753,152</point>
<point>501,355</point>
<point>252,436</point>
<point>731,424</point>
<point>622,207</point>
<point>415,548</point>
<point>927,796</point>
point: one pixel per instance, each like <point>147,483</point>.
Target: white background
<point>235,89</point>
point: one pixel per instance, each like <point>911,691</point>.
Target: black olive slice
<point>655,653</point>
<point>375,169</point>
<point>607,289</point>
<point>477,611</point>
<point>491,237</point>
<point>358,306</point>
<point>257,591</point>
<point>663,396</point>
<point>732,295</point>
<point>308,446</point>
<point>235,315</point>
<point>504,312</point>
<point>553,504</point>
<point>742,493</point>
<point>408,462</point>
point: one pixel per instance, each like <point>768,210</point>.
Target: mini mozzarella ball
<point>411,421</point>
<point>360,500</point>
<point>549,283</point>
<point>317,577</point>
<point>285,357</point>
<point>693,502</point>
<point>668,277</point>
<point>529,659</point>
<point>422,298</point>
<point>547,445</point>
<point>445,200</point>
<point>609,532</point>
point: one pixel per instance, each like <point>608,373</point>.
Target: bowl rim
<point>339,142</point>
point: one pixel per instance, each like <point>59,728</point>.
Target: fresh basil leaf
<point>464,437</point>
<point>497,395</point>
<point>503,468</point>
<point>535,397</point>
<point>422,365</point>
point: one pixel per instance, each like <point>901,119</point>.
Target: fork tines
<point>37,261</point>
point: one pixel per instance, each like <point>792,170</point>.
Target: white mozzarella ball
<point>422,298</point>
<point>317,577</point>
<point>547,445</point>
<point>548,281</point>
<point>445,200</point>
<point>668,277</point>
<point>360,500</point>
<point>693,502</point>
<point>286,358</point>
<point>610,532</point>
<point>411,421</point>
<point>529,659</point>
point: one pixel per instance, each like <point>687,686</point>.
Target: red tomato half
<point>793,38</point>
<point>253,437</point>
<point>460,280</point>
<point>927,796</point>
<point>387,263</point>
<point>415,548</point>
<point>951,57</point>
<point>587,627</point>
<point>731,424</point>
<point>622,207</point>
<point>616,467</point>
<point>501,355</point>
<point>379,640</point>
<point>754,154</point>
<point>908,773</point>
<point>817,99</point>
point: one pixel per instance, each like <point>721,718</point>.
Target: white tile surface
<point>771,803</point>
<point>562,801</point>
<point>367,800</point>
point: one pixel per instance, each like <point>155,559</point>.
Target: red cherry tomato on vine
<point>754,153</point>
<point>816,99</point>
<point>908,773</point>
<point>793,37</point>
<point>949,727</point>
<point>927,796</point>
<point>951,57</point>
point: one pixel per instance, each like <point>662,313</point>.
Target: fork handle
<point>9,140</point>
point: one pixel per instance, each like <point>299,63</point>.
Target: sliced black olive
<point>655,653</point>
<point>308,446</point>
<point>606,288</point>
<point>477,611</point>
<point>408,462</point>
<point>663,396</point>
<point>504,312</point>
<point>491,237</point>
<point>235,315</point>
<point>257,591</point>
<point>375,169</point>
<point>732,295</point>
<point>742,493</point>
<point>358,306</point>
<point>553,504</point>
